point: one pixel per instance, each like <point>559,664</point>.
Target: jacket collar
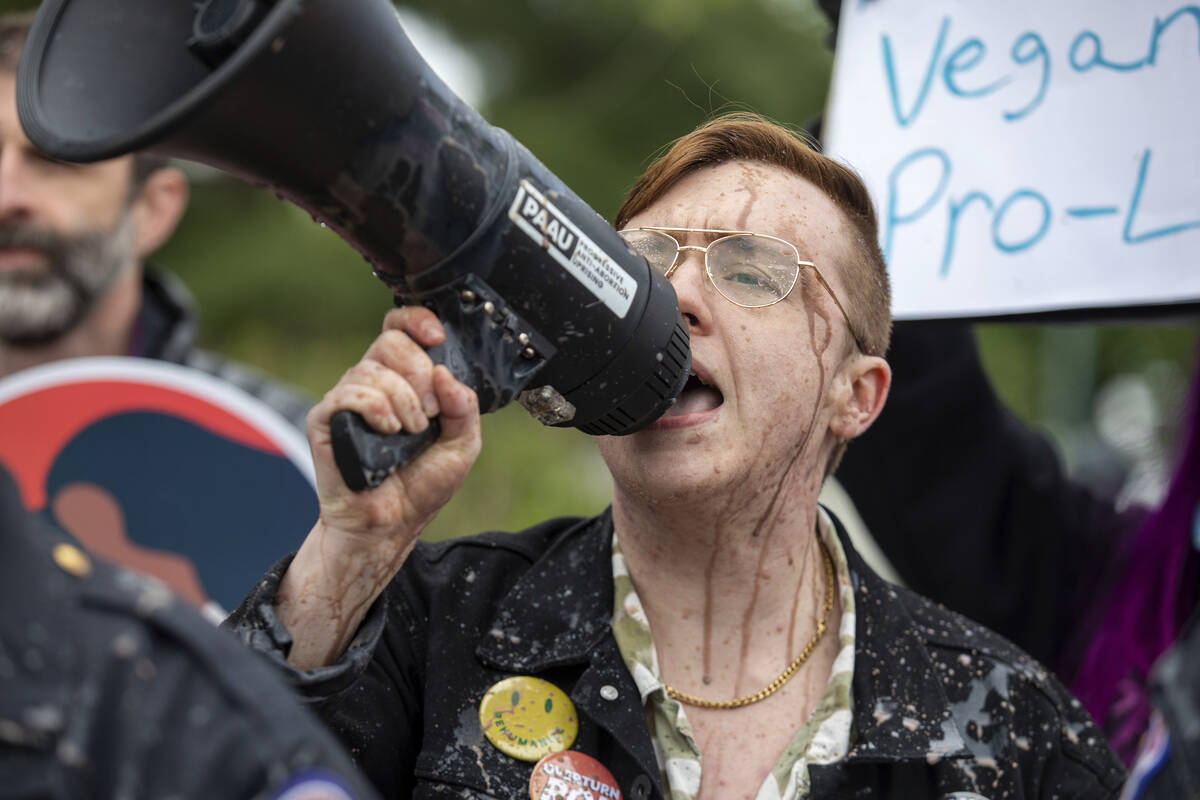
<point>165,328</point>
<point>523,636</point>
<point>901,711</point>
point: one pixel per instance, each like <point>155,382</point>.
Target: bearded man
<point>73,244</point>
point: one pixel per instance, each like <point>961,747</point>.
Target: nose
<point>690,282</point>
<point>16,191</point>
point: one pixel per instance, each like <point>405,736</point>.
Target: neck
<point>738,524</point>
<point>732,587</point>
<point>106,330</point>
<point>732,552</point>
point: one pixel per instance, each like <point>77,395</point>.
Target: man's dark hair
<point>14,27</point>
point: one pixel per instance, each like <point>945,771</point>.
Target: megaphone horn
<point>327,103</point>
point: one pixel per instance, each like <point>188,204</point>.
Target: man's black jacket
<point>111,687</point>
<point>941,705</point>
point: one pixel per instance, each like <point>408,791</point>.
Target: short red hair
<point>750,137</point>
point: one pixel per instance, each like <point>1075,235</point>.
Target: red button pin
<point>570,775</point>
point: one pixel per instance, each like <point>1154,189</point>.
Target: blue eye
<point>745,275</point>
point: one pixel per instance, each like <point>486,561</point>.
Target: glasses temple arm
<point>841,308</point>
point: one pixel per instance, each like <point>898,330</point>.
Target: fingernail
<point>430,405</point>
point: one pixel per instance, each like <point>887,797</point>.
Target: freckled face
<point>770,367</point>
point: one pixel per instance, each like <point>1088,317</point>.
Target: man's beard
<point>39,305</point>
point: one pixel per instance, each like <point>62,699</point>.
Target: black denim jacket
<point>941,705</point>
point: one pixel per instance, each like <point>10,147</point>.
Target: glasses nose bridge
<point>680,256</point>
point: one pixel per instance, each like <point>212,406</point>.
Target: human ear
<point>865,383</point>
<point>157,209</point>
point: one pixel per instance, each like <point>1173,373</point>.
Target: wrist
<point>348,541</point>
<point>346,563</point>
<point>327,590</point>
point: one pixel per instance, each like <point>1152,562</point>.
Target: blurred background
<point>595,90</point>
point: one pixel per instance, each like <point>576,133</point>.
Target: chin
<point>665,475</point>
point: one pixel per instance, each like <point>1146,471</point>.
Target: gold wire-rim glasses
<point>730,234</point>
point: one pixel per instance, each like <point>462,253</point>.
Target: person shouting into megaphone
<point>713,633</point>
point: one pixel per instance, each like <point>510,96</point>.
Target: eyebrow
<point>705,235</point>
<point>715,231</point>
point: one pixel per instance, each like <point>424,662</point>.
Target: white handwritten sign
<point>1025,156</point>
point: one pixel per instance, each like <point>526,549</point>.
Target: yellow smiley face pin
<point>528,718</point>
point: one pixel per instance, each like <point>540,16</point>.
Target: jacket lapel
<point>901,712</point>
<point>559,613</point>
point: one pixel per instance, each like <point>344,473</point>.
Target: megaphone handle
<point>366,457</point>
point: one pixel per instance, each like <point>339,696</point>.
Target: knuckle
<point>395,316</point>
<point>397,341</point>
<point>378,407</point>
<point>404,316</point>
<point>369,371</point>
<point>372,367</point>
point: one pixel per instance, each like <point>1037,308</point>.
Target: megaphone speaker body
<point>327,103</point>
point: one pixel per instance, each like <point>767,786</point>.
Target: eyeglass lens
<point>748,270</point>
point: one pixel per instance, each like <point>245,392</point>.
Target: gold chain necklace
<point>784,676</point>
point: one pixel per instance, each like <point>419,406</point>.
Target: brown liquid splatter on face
<point>751,191</point>
<point>749,186</point>
<point>813,309</point>
<point>751,196</point>
<point>819,349</point>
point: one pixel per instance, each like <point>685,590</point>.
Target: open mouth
<point>697,396</point>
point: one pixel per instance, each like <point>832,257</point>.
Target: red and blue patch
<point>161,468</point>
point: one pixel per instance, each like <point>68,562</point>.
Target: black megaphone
<point>327,103</point>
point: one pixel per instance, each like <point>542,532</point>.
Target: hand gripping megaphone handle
<point>366,457</point>
<point>488,347</point>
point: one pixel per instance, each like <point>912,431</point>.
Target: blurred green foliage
<point>594,90</point>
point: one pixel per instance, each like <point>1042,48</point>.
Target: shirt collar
<point>901,711</point>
